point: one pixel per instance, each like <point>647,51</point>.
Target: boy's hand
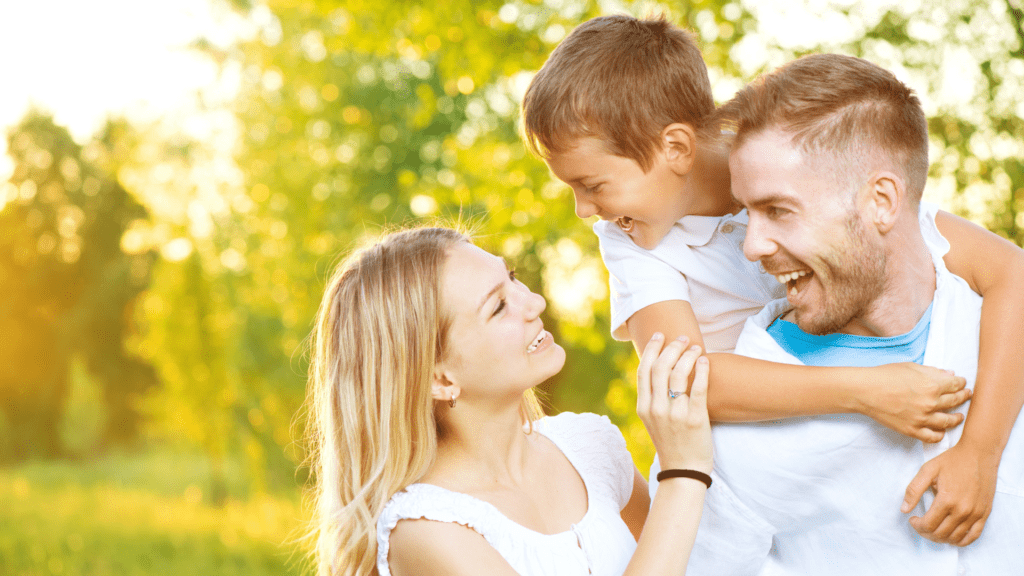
<point>675,414</point>
<point>912,400</point>
<point>964,480</point>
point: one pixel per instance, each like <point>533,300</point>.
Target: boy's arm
<point>965,475</point>
<point>742,389</point>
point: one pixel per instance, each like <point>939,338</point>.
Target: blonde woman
<point>432,456</point>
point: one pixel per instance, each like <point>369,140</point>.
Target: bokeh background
<point>178,178</point>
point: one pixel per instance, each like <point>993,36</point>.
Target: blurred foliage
<point>351,116</point>
<point>122,516</point>
<point>68,286</point>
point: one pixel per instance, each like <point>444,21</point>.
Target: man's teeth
<point>790,276</point>
<point>540,338</point>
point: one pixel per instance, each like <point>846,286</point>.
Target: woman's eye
<point>501,306</point>
<point>512,274</point>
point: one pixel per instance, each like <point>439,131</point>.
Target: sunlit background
<point>178,177</point>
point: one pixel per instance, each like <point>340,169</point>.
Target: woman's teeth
<point>540,338</point>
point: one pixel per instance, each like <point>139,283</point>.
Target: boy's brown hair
<point>845,110</point>
<point>619,79</point>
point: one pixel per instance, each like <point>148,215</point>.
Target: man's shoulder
<point>754,340</point>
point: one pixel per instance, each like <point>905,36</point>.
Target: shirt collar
<point>698,230</point>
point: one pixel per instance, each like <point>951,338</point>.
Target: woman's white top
<point>600,543</point>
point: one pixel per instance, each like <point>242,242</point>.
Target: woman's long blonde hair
<point>380,331</point>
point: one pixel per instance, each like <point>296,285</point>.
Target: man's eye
<point>776,212</point>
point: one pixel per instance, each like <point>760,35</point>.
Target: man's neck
<point>909,286</point>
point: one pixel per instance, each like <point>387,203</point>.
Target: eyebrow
<point>492,291</point>
<point>765,200</point>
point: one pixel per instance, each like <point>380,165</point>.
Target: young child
<point>622,112</point>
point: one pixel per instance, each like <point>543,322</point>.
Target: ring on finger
<point>672,393</point>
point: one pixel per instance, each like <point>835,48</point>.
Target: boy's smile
<point>644,204</point>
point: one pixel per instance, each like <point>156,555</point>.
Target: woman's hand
<point>913,399</point>
<point>675,414</point>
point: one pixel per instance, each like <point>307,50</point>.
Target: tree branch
<point>1018,17</point>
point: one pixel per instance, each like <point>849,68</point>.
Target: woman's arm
<point>635,512</point>
<point>426,547</point>
<point>965,475</point>
<point>906,397</point>
<point>681,432</point>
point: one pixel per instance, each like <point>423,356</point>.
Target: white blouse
<point>599,544</point>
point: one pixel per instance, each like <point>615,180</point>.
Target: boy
<point>622,112</point>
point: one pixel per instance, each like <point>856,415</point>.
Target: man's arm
<point>964,477</point>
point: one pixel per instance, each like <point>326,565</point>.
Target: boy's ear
<point>884,195</point>
<point>680,147</point>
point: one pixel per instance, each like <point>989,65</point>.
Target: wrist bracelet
<point>680,473</point>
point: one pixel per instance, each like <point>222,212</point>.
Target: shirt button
<point>728,228</point>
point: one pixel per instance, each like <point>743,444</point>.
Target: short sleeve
<point>936,242</point>
<point>597,449</point>
<point>434,503</point>
<point>636,278</point>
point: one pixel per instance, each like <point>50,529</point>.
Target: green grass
<point>143,515</point>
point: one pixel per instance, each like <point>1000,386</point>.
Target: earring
<point>451,402</point>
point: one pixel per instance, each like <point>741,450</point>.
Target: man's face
<point>644,204</point>
<point>805,229</point>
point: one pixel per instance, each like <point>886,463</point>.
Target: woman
<point>431,454</point>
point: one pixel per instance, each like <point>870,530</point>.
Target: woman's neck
<point>480,449</point>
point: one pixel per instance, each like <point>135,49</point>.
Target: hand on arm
<point>681,433</point>
<point>908,398</point>
<point>964,477</point>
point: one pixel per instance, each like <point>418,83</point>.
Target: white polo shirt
<point>699,261</point>
<point>821,495</point>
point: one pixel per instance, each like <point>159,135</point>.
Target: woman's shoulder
<point>579,427</point>
<point>595,447</point>
<point>452,514</point>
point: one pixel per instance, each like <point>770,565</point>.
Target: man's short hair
<point>846,108</point>
<point>619,79</point>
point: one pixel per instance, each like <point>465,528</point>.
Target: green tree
<point>68,287</point>
<point>355,116</point>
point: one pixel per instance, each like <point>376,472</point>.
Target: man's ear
<point>679,142</point>
<point>442,388</point>
<point>884,196</point>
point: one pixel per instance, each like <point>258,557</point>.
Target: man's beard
<point>851,273</point>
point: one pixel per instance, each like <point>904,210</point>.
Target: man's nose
<point>757,245</point>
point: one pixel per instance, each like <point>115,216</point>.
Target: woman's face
<point>498,346</point>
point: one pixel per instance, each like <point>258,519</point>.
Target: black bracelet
<point>680,473</point>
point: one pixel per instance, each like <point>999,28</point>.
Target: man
<point>830,160</point>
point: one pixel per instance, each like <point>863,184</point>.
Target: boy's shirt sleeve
<point>636,277</point>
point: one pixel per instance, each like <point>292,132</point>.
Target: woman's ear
<point>679,142</point>
<point>442,388</point>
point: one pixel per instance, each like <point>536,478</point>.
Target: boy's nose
<point>584,208</point>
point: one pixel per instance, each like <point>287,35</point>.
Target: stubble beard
<point>852,276</point>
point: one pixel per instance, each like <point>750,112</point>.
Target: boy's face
<point>644,204</point>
